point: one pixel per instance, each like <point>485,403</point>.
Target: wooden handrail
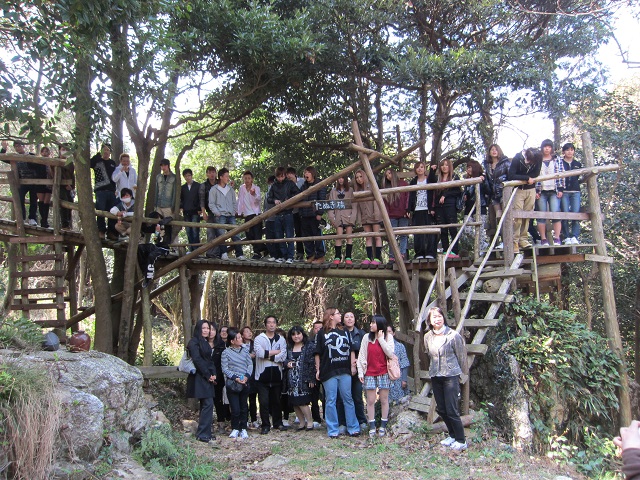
<point>570,173</point>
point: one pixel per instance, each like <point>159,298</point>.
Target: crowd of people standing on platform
<point>215,201</point>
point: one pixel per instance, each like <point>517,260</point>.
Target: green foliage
<point>20,332</point>
<point>164,453</point>
<point>163,353</point>
<point>568,371</point>
<point>596,457</point>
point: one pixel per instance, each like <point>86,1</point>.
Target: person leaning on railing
<point>524,168</point>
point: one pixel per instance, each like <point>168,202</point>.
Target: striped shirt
<point>236,362</point>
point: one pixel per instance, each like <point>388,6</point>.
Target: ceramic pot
<point>79,342</point>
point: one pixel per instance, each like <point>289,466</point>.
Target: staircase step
<point>37,258</point>
<point>480,322</point>
<point>38,291</point>
<point>41,273</point>
<point>42,240</point>
<point>504,273</point>
<point>37,306</point>
<point>489,297</point>
<point>45,323</point>
<point>477,349</point>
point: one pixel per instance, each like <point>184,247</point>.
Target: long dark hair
<point>381,323</point>
<point>232,333</point>
<point>203,343</point>
<point>438,309</point>
<point>533,155</point>
<point>296,329</point>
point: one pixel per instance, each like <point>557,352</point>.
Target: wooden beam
<point>157,372</point>
<point>598,258</point>
<point>375,190</point>
<point>612,328</point>
<point>552,215</point>
<point>414,188</point>
<point>590,170</point>
<point>455,294</point>
<point>15,157</point>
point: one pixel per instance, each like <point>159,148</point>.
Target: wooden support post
<point>465,396</point>
<point>14,180</point>
<point>391,238</point>
<point>612,328</point>
<point>147,328</point>
<point>455,295</point>
<point>187,327</point>
<point>440,284</point>
<point>417,364</point>
<point>477,229</point>
<point>507,228</point>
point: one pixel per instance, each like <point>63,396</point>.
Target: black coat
<point>198,385</point>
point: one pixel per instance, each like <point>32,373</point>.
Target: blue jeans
<point>548,202</point>
<point>283,228</point>
<point>227,220</point>
<point>193,233</point>
<point>105,200</point>
<point>571,203</point>
<point>341,384</point>
<point>446,391</point>
<point>402,239</point>
<point>358,402</point>
<point>239,408</point>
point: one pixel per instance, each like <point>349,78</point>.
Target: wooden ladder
<point>423,402</point>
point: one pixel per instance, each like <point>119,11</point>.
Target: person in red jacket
<point>397,207</point>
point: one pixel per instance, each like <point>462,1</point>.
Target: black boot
<point>44,214</point>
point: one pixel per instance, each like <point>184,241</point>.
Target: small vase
<point>79,342</point>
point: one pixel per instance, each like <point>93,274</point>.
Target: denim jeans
<point>205,420</point>
<point>105,200</point>
<point>402,239</point>
<point>283,228</point>
<point>270,234</point>
<point>571,203</point>
<point>334,385</point>
<point>193,233</point>
<point>446,391</point>
<point>358,402</point>
<point>211,235</point>
<point>548,202</point>
<point>239,408</point>
<point>227,220</point>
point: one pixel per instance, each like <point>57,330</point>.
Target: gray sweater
<point>236,362</point>
<point>222,201</point>
<point>448,353</point>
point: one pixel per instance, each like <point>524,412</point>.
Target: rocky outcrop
<point>102,400</point>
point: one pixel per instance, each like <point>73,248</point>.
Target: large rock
<point>102,400</point>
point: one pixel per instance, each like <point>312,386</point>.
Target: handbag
<point>233,386</point>
<point>186,364</point>
<point>393,368</point>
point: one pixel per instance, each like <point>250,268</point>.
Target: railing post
<point>507,229</point>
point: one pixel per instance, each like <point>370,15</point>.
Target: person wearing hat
<point>104,187</point>
<point>571,195</point>
<point>166,192</point>
<point>549,192</point>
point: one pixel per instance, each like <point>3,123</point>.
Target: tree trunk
<point>205,306</point>
<point>117,284</point>
<point>232,299</point>
<point>637,333</point>
<point>103,340</point>
<point>195,293</point>
<point>145,313</point>
<point>383,299</point>
<point>557,134</point>
<point>379,119</point>
<point>118,38</point>
<point>422,122</point>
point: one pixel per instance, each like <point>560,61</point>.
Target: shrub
<point>571,376</point>
<point>29,421</point>
<point>20,332</point>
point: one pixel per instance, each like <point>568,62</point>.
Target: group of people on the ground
<point>295,372</point>
<point>215,201</point>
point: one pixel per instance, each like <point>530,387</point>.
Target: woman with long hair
<point>334,361</point>
<point>218,345</point>
<point>397,205</point>
<point>200,383</point>
<point>496,168</point>
<point>342,220</point>
<point>375,349</point>
<point>301,374</point>
<point>422,213</point>
<point>474,170</point>
<point>247,338</point>
<point>444,204</point>
<point>448,353</point>
<point>237,367</point>
<point>369,216</point>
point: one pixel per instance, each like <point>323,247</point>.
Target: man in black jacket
<point>281,191</point>
<point>104,187</point>
<point>190,205</point>
<point>310,218</point>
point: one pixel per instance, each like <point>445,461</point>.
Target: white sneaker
<point>256,424</point>
<point>297,421</point>
<point>280,260</point>
<point>316,425</point>
<point>458,447</point>
<point>224,256</point>
<point>234,434</point>
<point>430,257</point>
<point>372,433</point>
<point>33,223</point>
<point>575,241</point>
<point>271,259</point>
<point>241,258</point>
<point>447,442</point>
<point>289,260</point>
<point>500,246</point>
<point>243,434</point>
<point>567,241</point>
<point>285,423</point>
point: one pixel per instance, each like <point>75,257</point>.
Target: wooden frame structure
<point>409,275</point>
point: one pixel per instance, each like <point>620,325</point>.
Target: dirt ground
<point>312,455</point>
